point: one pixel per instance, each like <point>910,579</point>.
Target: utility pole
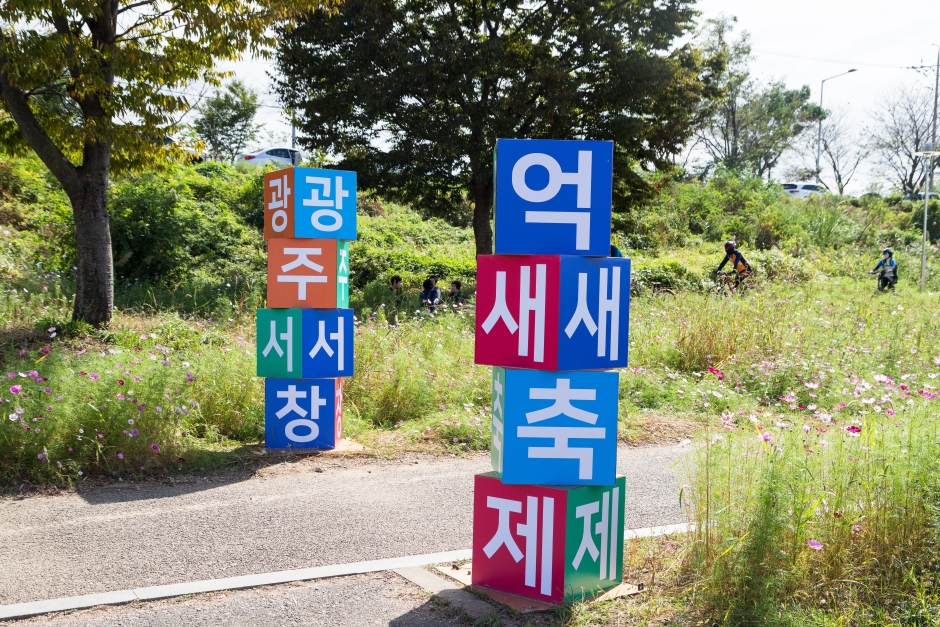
<point>931,153</point>
<point>822,85</point>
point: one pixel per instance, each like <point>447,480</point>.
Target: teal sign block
<point>342,275</point>
<point>279,343</point>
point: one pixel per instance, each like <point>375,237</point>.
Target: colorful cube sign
<point>305,343</point>
<point>309,273</point>
<point>551,312</point>
<point>555,428</point>
<point>310,203</point>
<point>549,543</point>
<point>553,197</point>
<point>303,413</point>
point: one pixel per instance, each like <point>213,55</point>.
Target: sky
<point>798,41</point>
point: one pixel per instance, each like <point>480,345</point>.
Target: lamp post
<point>819,135</point>
<point>931,152</point>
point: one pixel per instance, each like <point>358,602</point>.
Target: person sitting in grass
<point>739,264</point>
<point>454,294</point>
<point>430,296</point>
<point>888,277</point>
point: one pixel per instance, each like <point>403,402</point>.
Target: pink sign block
<point>517,311</point>
<point>519,539</point>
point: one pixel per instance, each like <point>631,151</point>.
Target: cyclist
<point>740,266</point>
<point>888,277</point>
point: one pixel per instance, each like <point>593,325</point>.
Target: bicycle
<point>728,283</point>
<point>638,287</point>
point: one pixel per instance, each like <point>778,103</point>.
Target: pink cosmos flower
<point>158,409</point>
<point>93,376</point>
<point>41,457</point>
<point>856,528</point>
<point>120,397</point>
<point>766,437</point>
<point>141,407</point>
<point>189,377</point>
<point>155,447</point>
<point>100,435</point>
<point>120,455</point>
<point>889,411</point>
<point>47,390</point>
<point>81,352</point>
<point>816,545</point>
<point>32,374</point>
<point>16,389</point>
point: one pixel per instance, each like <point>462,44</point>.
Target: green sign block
<point>279,343</point>
<point>499,404</point>
<point>594,538</point>
<point>342,275</point>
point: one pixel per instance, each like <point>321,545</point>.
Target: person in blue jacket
<point>888,275</point>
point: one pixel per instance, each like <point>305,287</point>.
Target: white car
<point>803,190</point>
<point>277,156</point>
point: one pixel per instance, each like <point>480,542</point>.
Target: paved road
<point>283,517</point>
<point>339,602</point>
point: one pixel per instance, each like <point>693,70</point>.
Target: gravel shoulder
<point>282,517</point>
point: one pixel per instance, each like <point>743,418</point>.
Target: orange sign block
<point>279,204</point>
<point>302,273</point>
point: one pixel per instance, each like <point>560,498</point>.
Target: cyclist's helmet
<point>729,245</point>
<point>888,251</point>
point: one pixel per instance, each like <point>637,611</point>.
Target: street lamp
<point>819,135</point>
<point>930,152</point>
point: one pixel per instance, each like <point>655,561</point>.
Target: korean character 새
<point>302,413</point>
<point>555,427</point>
<point>552,312</point>
<point>548,543</point>
<point>302,273</point>
<point>553,197</point>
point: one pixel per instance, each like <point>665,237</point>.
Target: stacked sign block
<point>552,319</point>
<point>305,336</point>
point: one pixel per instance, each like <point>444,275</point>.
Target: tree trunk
<point>482,208</point>
<point>94,289</point>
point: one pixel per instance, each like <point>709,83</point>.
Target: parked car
<point>803,190</point>
<point>278,156</point>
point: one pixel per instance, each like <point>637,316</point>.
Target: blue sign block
<point>553,197</point>
<point>327,345</point>
<point>594,313</point>
<point>300,413</point>
<point>559,428</point>
<point>325,204</point>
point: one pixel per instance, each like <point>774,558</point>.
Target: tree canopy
<point>226,121</point>
<point>92,85</point>
<point>414,93</point>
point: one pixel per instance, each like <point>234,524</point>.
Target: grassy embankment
<point>810,401</point>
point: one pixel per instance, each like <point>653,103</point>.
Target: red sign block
<point>517,311</point>
<point>338,409</point>
<point>519,539</point>
<point>302,273</point>
<point>279,204</point>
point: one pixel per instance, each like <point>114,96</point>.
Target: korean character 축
<point>302,413</point>
<point>555,428</point>
<point>553,197</point>
<point>325,203</point>
<point>552,312</point>
<point>279,342</point>
<point>279,204</point>
<point>549,543</point>
<point>302,273</point>
<point>327,343</point>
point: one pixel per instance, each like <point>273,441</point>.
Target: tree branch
<point>18,107</point>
